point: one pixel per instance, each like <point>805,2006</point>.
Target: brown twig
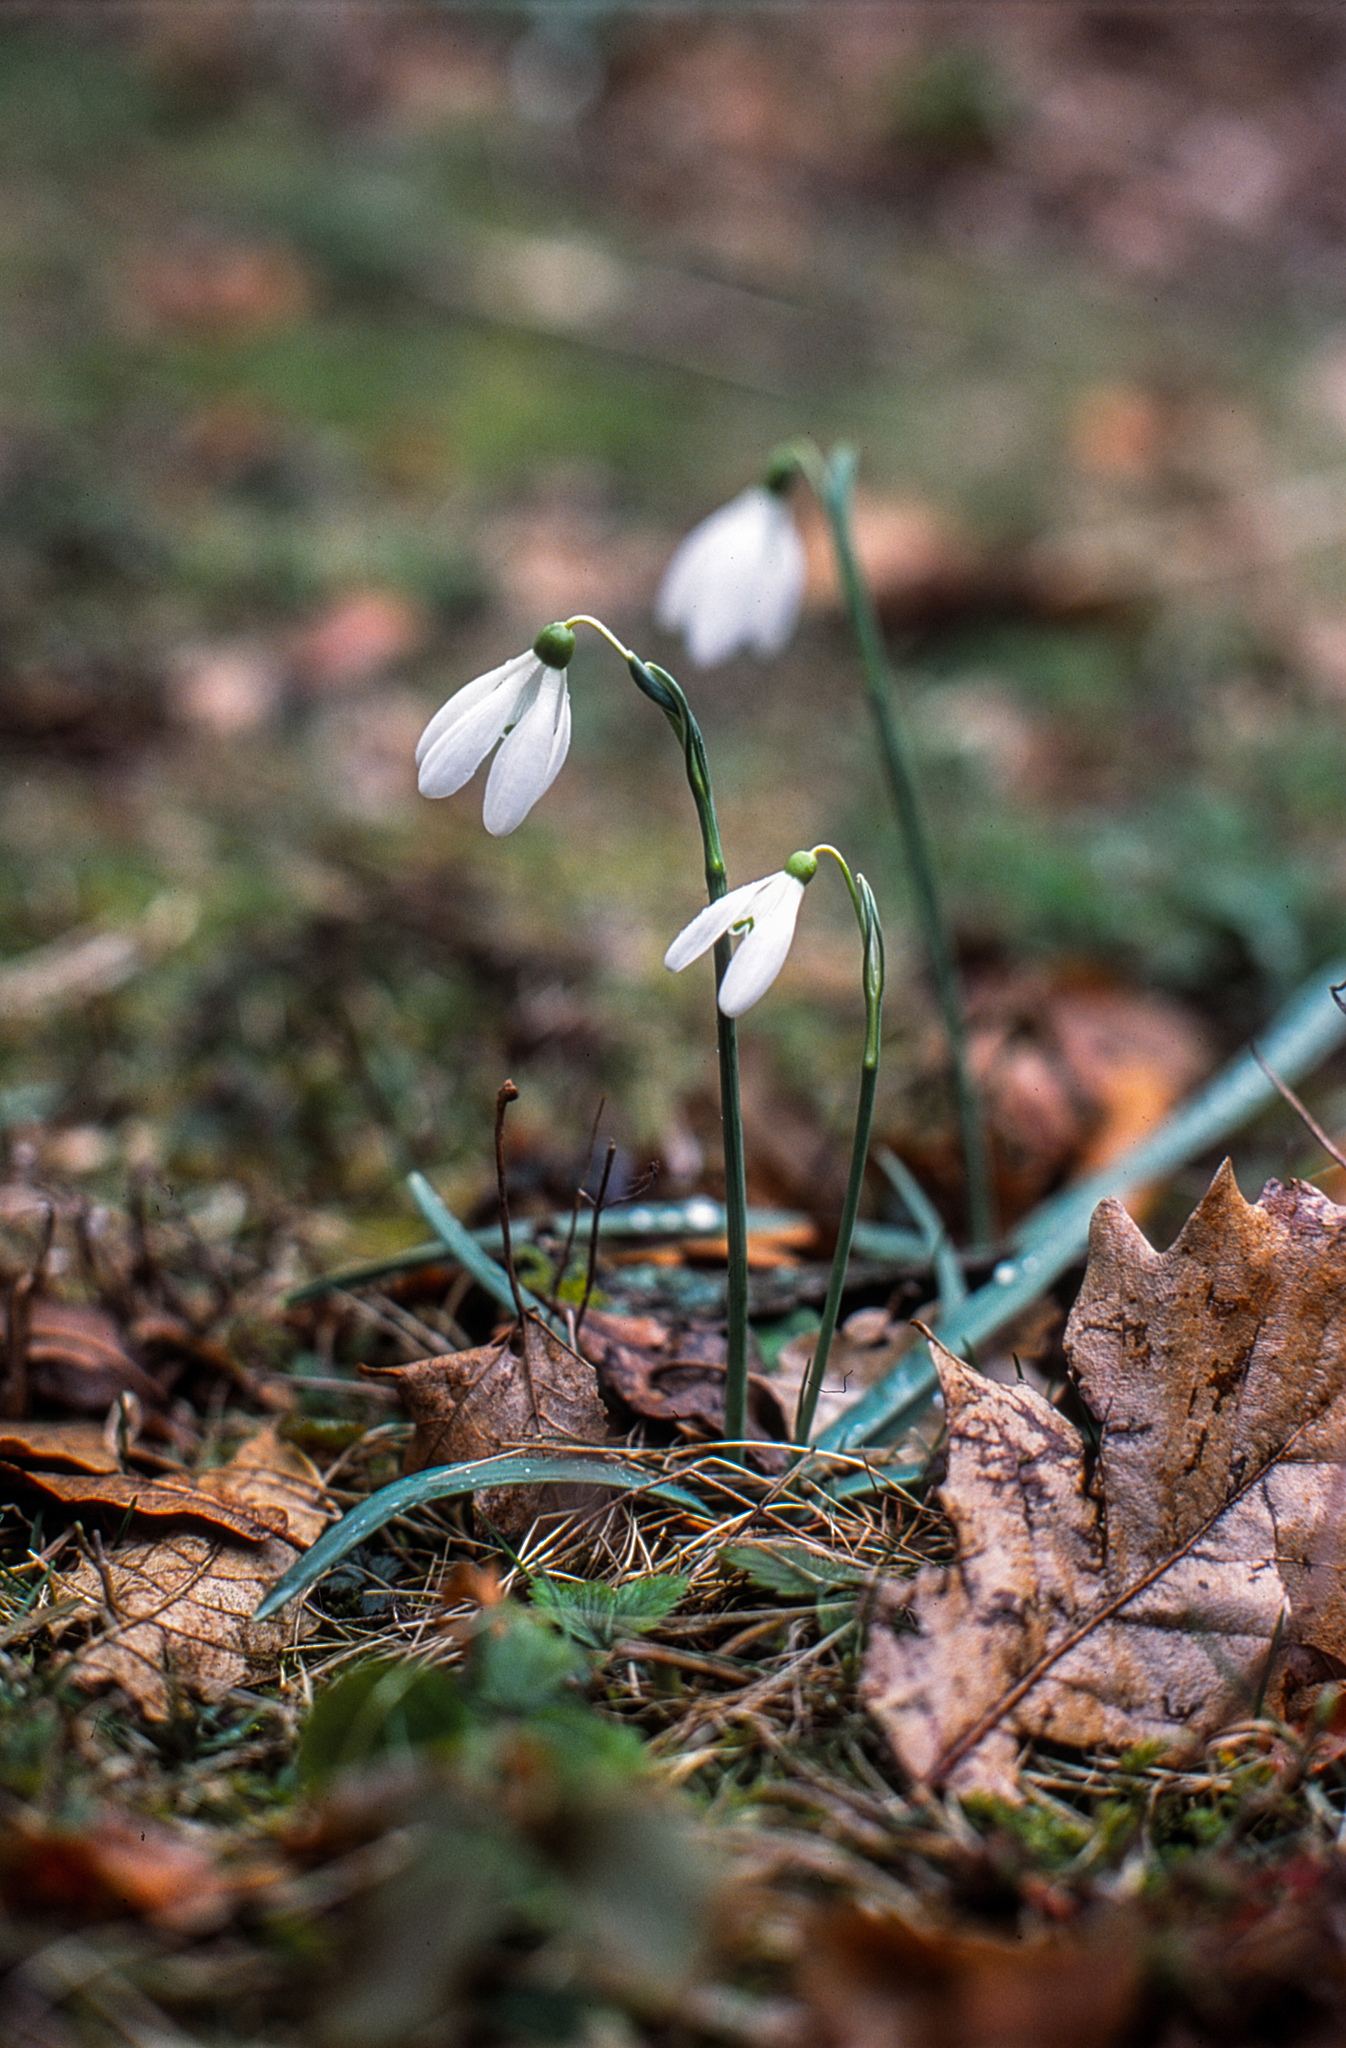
<point>592,1266</point>
<point>509,1093</point>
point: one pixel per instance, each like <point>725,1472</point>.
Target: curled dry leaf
<point>665,1376</point>
<point>1194,1571</point>
<point>57,1446</point>
<point>475,1404</point>
<point>116,1497</point>
<point>178,1611</point>
<point>869,1978</point>
<point>76,1358</point>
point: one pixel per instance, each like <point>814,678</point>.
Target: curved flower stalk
<point>525,705</point>
<point>764,913</point>
<point>737,580</point>
<point>709,593</point>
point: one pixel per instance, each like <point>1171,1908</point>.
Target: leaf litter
<point>732,1642</point>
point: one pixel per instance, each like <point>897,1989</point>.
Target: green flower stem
<point>679,714</point>
<point>833,482</point>
<point>871,940</point>
<point>661,688</point>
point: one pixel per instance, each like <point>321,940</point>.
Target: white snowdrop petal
<point>455,754</point>
<point>465,701</point>
<point>711,924</point>
<point>530,756</point>
<point>695,561</point>
<point>736,581</point>
<point>781,588</point>
<point>761,955</point>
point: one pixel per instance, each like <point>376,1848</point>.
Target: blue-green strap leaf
<point>458,1240</point>
<point>448,1482</point>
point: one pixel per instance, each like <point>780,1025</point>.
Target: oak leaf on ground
<point>527,1388</point>
<point>1195,1569</point>
<point>177,1612</point>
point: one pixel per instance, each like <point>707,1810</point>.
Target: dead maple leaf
<point>476,1404</point>
<point>179,1611</point>
<point>1186,1577</point>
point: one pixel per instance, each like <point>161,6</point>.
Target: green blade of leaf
<point>458,1240</point>
<point>1055,1234</point>
<point>939,1246</point>
<point>450,1482</point>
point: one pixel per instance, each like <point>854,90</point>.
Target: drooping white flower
<point>525,705</point>
<point>736,581</point>
<point>764,912</point>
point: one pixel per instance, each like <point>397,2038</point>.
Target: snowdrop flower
<point>737,580</point>
<point>526,706</point>
<point>765,913</point>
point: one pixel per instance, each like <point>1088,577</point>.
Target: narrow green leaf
<point>458,1240</point>
<point>450,1482</point>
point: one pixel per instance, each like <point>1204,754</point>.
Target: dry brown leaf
<point>116,1496</point>
<point>115,1864</point>
<point>875,1980</point>
<point>57,1446</point>
<point>476,1404</point>
<point>267,1476</point>
<point>181,1608</point>
<point>667,1376</point>
<point>1160,1598</point>
<point>76,1357</point>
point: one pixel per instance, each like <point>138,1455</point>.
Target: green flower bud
<point>802,867</point>
<point>555,646</point>
<point>781,470</point>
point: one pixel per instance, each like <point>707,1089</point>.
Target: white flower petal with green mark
<point>768,909</point>
<point>524,705</point>
<point>530,755</point>
<point>736,581</point>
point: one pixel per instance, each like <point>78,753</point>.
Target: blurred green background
<point>343,346</point>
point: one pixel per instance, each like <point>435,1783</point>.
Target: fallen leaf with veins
<point>476,1404</point>
<point>178,1611</point>
<point>1190,1574</point>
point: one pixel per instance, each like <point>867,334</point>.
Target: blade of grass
<point>1055,1234</point>
<point>450,1482</point>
